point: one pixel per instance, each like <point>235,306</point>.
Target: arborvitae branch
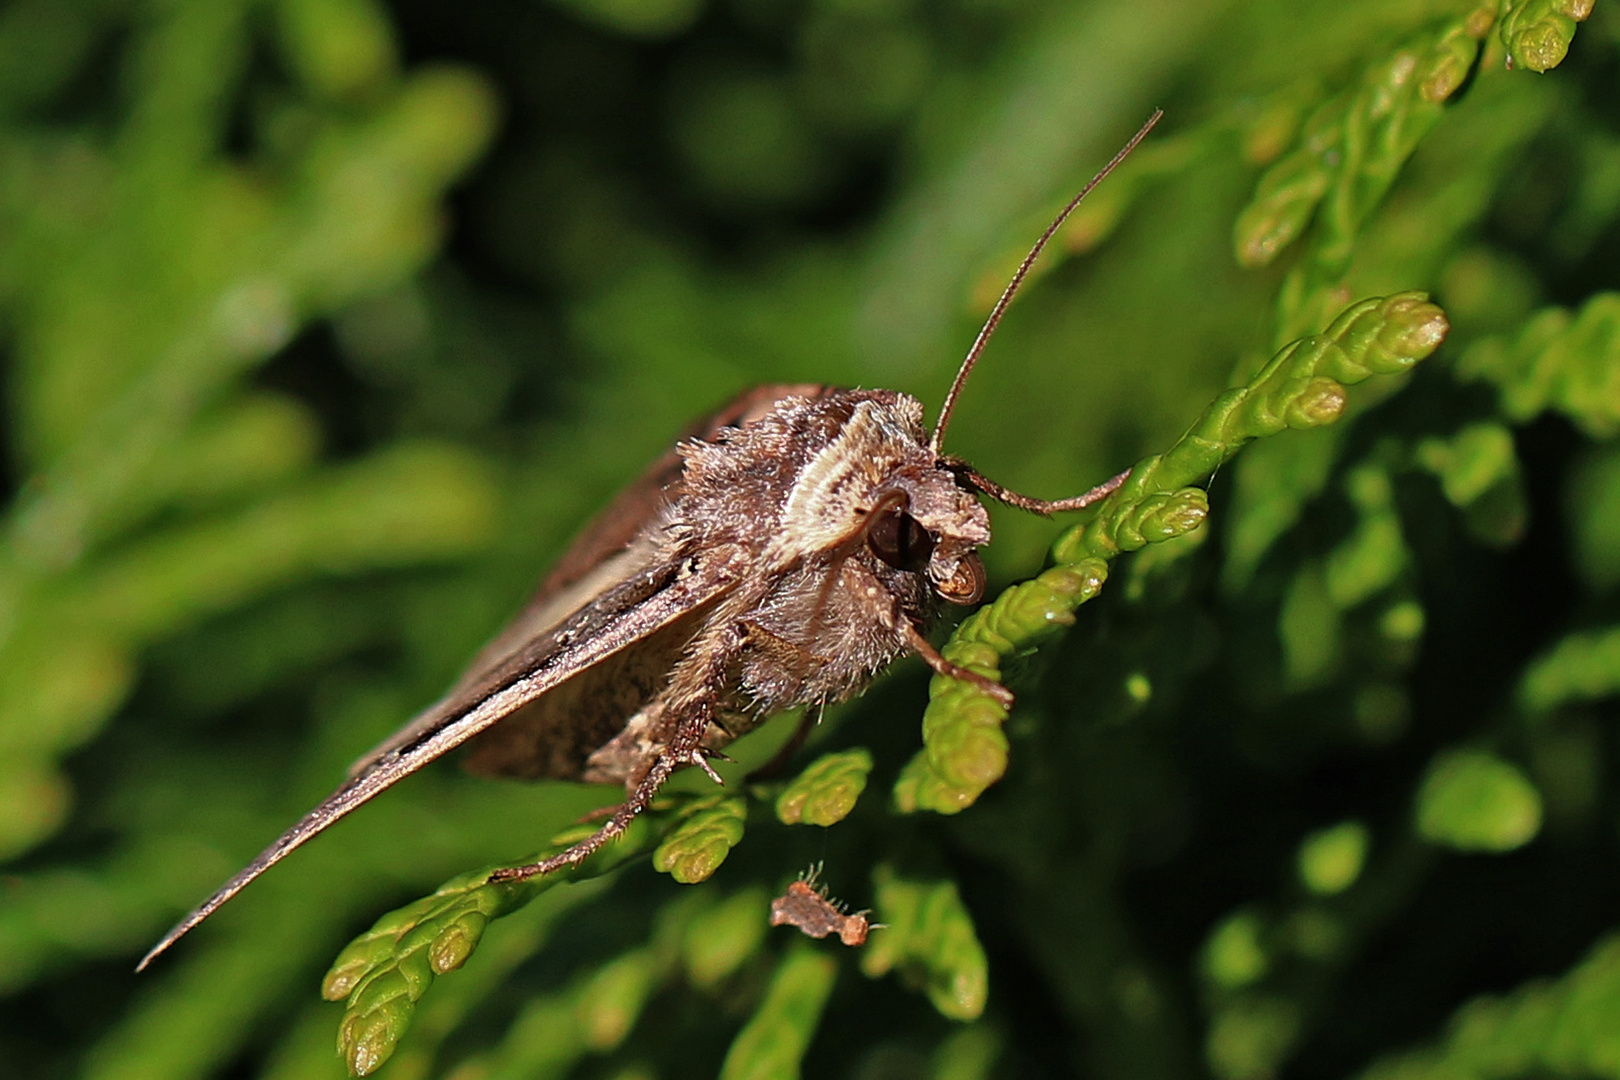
<point>1557,361</point>
<point>1559,1028</point>
<point>826,791</point>
<point>1303,386</point>
<point>965,750</point>
<point>597,1010</point>
<point>386,970</point>
<point>1582,667</point>
<point>1349,154</point>
<point>1479,473</point>
<point>928,938</point>
<point>720,938</point>
<point>774,1040</point>
<point>1354,144</point>
<point>1471,800</point>
<point>709,827</point>
<point>1371,558</point>
<point>1537,33</point>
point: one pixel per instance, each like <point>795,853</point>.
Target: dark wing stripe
<point>657,596</point>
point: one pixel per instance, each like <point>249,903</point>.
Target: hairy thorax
<point>798,487</point>
<point>818,614</point>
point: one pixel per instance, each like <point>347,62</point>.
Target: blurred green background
<point>326,322</point>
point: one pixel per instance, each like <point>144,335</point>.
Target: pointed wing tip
<point>180,930</point>
<point>158,950</point>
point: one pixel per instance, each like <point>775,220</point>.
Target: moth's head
<point>925,523</point>
<point>875,484</point>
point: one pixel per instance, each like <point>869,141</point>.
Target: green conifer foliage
<point>326,323</point>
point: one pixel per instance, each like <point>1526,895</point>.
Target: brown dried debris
<point>807,906</point>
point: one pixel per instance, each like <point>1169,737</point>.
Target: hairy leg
<point>693,699</point>
<point>683,749</point>
<point>921,646</point>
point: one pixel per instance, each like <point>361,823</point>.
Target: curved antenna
<point>1018,279</point>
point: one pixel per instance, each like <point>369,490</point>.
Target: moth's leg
<point>779,647</point>
<point>701,758</point>
<point>1025,502</point>
<point>693,700</point>
<point>791,656</point>
<point>912,638</point>
<point>683,748</point>
<point>923,648</point>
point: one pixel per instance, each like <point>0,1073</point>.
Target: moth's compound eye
<point>966,585</point>
<point>897,539</point>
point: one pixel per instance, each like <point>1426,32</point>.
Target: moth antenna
<point>1011,290</point>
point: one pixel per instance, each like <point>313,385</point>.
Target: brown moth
<point>799,542</point>
<point>807,906</point>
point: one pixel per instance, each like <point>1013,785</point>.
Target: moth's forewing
<point>554,736</point>
<point>551,737</point>
<point>608,596</point>
<point>536,623</point>
<point>603,554</point>
<point>629,612</point>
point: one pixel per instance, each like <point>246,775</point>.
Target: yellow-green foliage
<point>707,832</point>
<point>825,792</point>
<point>145,274</point>
<point>1557,1027</point>
<point>930,943</point>
<point>1558,361</point>
<point>1473,801</point>
<point>776,1036</point>
<point>325,323</point>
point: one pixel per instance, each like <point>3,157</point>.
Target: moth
<point>799,541</point>
<point>807,906</point>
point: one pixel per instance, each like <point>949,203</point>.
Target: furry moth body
<point>801,541</point>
